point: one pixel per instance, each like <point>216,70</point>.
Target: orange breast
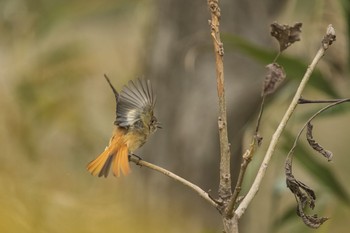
<point>135,139</point>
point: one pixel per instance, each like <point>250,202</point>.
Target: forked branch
<point>326,42</point>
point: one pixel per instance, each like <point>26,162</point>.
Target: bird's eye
<point>138,124</point>
<point>154,120</point>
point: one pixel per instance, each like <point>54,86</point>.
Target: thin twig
<point>247,157</point>
<point>194,187</point>
<point>225,176</point>
<point>260,115</point>
<point>256,184</point>
<point>277,56</point>
<point>338,101</point>
<point>306,101</point>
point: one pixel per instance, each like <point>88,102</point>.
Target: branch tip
<point>329,38</point>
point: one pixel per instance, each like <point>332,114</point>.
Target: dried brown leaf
<point>303,192</point>
<point>317,147</point>
<point>312,221</point>
<point>273,79</point>
<point>304,196</point>
<point>286,35</point>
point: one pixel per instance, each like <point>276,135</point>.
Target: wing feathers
<point>135,99</point>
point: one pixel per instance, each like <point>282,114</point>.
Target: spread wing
<point>135,99</point>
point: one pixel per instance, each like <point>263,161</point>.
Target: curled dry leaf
<point>303,193</point>
<point>273,79</point>
<point>286,35</point>
<point>312,221</point>
<point>304,196</point>
<point>317,147</point>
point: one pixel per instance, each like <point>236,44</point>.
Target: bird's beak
<point>159,125</point>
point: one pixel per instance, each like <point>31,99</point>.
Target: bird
<point>135,122</point>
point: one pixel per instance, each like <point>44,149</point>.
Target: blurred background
<point>57,112</point>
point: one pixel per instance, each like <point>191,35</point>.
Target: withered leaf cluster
<point>304,196</point>
<point>286,35</point>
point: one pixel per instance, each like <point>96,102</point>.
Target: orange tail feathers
<point>121,162</point>
<point>115,155</point>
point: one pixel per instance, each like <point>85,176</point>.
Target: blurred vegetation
<point>57,113</point>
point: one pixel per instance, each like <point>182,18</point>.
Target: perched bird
<point>134,123</point>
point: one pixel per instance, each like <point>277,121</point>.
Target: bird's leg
<point>132,154</point>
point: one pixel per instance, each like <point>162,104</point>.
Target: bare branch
<point>183,181</point>
<point>256,184</point>
<point>230,225</point>
<point>225,175</point>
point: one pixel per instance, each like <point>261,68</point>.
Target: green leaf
<point>322,173</point>
<point>294,67</point>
